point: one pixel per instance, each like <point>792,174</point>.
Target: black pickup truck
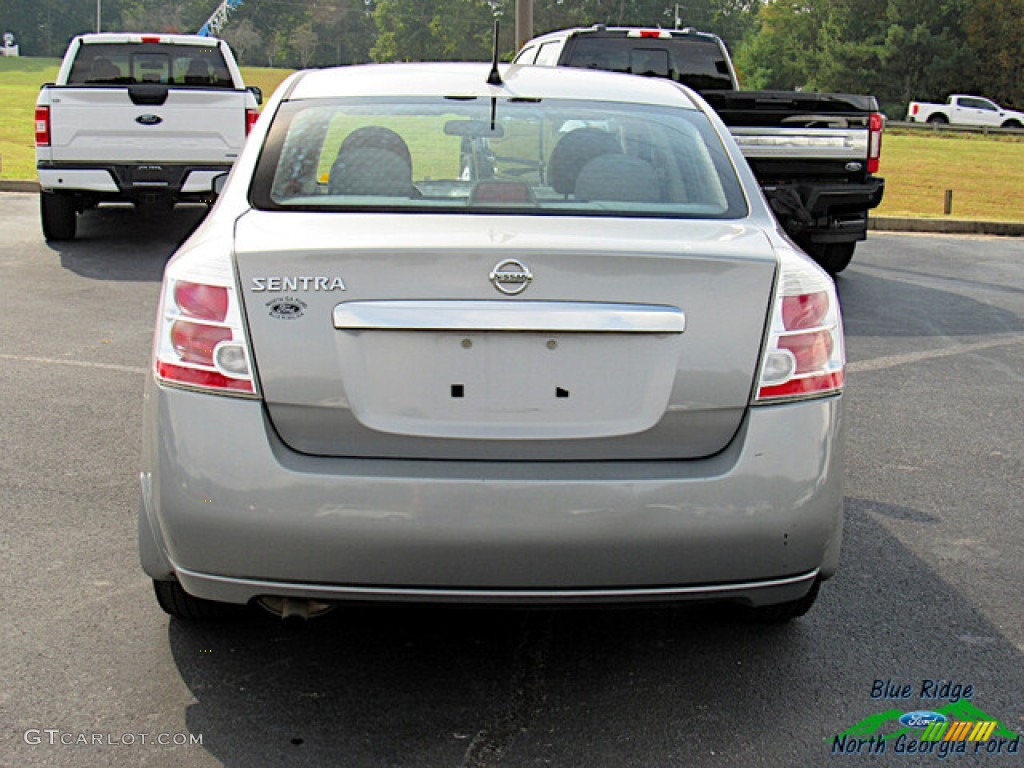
<point>814,153</point>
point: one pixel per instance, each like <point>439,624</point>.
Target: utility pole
<point>524,22</point>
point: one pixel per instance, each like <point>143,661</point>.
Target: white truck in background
<point>965,110</point>
<point>145,119</point>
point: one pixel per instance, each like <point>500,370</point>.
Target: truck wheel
<point>1012,124</point>
<point>178,603</point>
<point>58,215</point>
<point>938,119</point>
<point>833,257</point>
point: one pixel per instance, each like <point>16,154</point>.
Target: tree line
<point>897,50</point>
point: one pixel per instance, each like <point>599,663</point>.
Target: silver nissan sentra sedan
<point>533,338</point>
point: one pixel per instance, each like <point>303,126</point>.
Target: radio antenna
<point>494,78</point>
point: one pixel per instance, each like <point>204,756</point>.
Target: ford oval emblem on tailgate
<point>149,119</point>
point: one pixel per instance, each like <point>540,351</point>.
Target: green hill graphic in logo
<point>886,725</point>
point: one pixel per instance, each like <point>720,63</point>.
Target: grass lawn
<point>986,174</point>
<point>20,79</point>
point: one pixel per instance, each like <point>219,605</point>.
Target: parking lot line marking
<point>891,361</point>
<point>75,363</point>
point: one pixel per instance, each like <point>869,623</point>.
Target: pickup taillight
<point>42,126</point>
<point>251,116</point>
<point>876,124</point>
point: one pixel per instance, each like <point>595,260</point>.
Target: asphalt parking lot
<point>926,604</point>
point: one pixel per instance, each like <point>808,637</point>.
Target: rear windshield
<point>507,155</point>
<point>131,63</point>
<point>699,64</point>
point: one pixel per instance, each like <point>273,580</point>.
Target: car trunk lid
<point>503,338</point>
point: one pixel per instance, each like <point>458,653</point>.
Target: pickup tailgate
<point>795,126</point>
<point>144,123</point>
<point>383,335</point>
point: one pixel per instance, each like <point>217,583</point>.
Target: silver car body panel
<point>555,390</point>
<point>754,593</point>
<point>233,511</point>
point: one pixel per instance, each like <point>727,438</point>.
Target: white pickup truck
<point>965,110</point>
<point>145,119</point>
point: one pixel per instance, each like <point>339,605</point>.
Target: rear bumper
<point>826,213</point>
<point>133,182</point>
<point>233,514</point>
<point>837,199</point>
<point>755,593</point>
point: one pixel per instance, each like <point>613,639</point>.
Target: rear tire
<point>58,214</point>
<point>938,120</point>
<point>833,257</point>
<point>178,603</point>
<point>783,612</point>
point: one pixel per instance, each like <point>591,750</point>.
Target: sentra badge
<point>297,283</point>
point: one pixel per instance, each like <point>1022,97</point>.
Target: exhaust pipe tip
<point>294,612</point>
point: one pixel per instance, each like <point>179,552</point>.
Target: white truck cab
<point>962,109</point>
<point>146,119</point>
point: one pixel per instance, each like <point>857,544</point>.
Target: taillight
<point>42,126</point>
<point>200,340</point>
<point>914,108</point>
<point>649,33</point>
<point>876,123</point>
<point>804,356</point>
<point>251,116</point>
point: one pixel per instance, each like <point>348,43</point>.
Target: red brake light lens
<point>810,350</point>
<point>876,124</point>
<point>251,116</point>
<point>199,377</point>
<point>196,342</point>
<point>200,337</point>
<point>806,310</point>
<point>42,126</point>
<point>648,33</point>
<point>150,39</point>
<point>204,302</point>
<point>804,356</point>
